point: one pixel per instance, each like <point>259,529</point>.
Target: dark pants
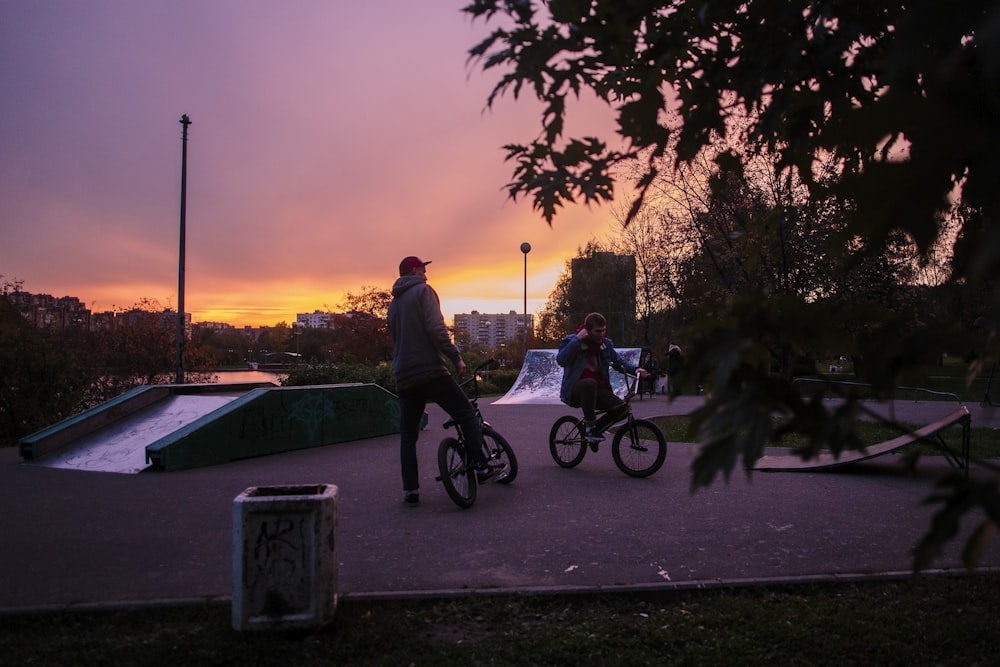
<point>588,395</point>
<point>446,393</point>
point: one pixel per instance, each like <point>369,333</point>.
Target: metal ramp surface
<point>929,433</point>
<point>540,378</point>
<point>121,446</point>
<point>173,427</point>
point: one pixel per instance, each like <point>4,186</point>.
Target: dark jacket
<point>675,359</point>
<point>650,365</point>
<point>420,340</point>
<point>572,356</point>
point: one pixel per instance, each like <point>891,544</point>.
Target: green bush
<point>43,379</point>
<point>498,382</point>
<point>342,373</point>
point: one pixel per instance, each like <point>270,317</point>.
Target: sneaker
<point>485,473</point>
<point>411,499</point>
<point>593,438</point>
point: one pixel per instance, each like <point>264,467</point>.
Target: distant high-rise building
<point>314,320</point>
<point>68,312</point>
<point>606,283</point>
<point>491,329</point>
<point>217,327</point>
<point>48,312</point>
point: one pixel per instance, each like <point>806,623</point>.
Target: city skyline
<point>73,303</point>
<point>327,142</point>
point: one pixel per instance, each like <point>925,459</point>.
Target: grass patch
<point>948,381</point>
<point>918,621</point>
<point>984,443</point>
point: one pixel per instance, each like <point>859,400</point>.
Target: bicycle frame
<point>459,480</point>
<point>631,384</point>
<point>638,446</point>
<point>473,397</point>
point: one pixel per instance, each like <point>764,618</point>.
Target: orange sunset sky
<point>329,139</point>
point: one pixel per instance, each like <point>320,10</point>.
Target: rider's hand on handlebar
<point>641,372</point>
<point>460,367</point>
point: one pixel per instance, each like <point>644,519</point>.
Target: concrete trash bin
<point>285,557</point>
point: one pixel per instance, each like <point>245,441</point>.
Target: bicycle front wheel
<point>639,448</point>
<point>459,479</point>
<point>499,455</point>
<point>566,442</point>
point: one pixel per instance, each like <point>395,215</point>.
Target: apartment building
<point>48,312</point>
<point>491,329</point>
<point>314,320</point>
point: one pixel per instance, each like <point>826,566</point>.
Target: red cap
<point>410,263</point>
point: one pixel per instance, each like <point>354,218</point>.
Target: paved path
<point>81,539</point>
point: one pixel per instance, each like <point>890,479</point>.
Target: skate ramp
<point>121,446</point>
<point>930,433</point>
<point>175,427</point>
<point>540,378</point>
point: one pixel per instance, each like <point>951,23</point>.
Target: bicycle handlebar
<point>632,382</point>
<point>486,365</point>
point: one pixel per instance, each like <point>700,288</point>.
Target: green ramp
<point>112,436</point>
<point>278,419</point>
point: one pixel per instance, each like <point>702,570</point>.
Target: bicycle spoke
<point>639,448</point>
<point>500,456</point>
<point>566,442</point>
<point>459,481</point>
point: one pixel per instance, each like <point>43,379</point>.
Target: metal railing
<point>915,390</point>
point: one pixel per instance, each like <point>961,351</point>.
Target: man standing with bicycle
<point>585,358</point>
<point>421,348</point>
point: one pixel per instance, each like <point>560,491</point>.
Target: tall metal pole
<point>185,121</point>
<point>525,248</point>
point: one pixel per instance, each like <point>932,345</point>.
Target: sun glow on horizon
<point>487,291</point>
<point>289,207</point>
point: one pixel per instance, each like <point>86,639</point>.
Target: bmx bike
<point>638,446</point>
<point>457,474</point>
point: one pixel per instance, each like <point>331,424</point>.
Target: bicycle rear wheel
<point>458,478</point>
<point>499,455</point>
<point>566,443</point>
<point>639,448</point>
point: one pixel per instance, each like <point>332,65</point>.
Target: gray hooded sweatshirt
<point>421,344</point>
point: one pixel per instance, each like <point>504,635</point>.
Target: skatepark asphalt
<point>90,540</point>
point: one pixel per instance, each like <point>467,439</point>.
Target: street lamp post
<point>179,379</point>
<point>525,248</point>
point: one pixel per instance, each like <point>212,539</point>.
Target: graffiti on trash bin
<point>279,569</point>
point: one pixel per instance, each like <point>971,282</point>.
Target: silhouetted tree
<point>901,97</point>
<point>45,377</point>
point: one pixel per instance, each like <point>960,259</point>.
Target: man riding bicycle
<point>421,346</point>
<point>585,358</point>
